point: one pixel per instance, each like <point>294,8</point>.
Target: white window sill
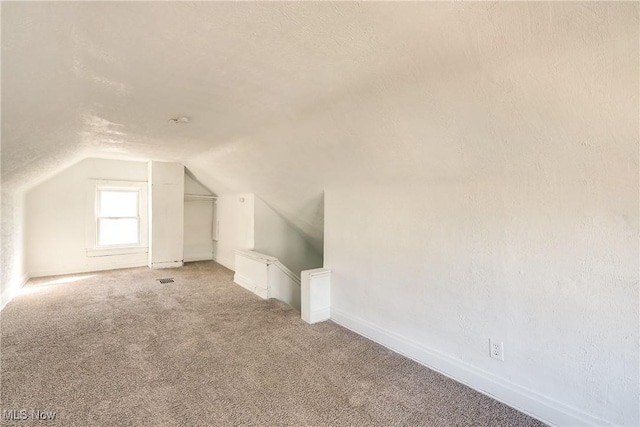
<point>96,252</point>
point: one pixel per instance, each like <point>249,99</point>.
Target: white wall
<point>235,215</point>
<point>198,220</point>
<point>547,264</point>
<point>56,215</point>
<point>276,237</point>
<point>13,257</point>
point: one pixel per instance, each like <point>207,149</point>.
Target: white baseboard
<point>225,262</point>
<point>544,408</point>
<point>43,272</point>
<point>250,286</point>
<point>319,315</point>
<point>12,290</point>
<point>167,264</point>
<point>200,257</point>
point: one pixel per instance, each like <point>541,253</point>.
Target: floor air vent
<point>163,281</point>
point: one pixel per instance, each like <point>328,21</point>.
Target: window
<point>118,217</point>
<point>117,220</point>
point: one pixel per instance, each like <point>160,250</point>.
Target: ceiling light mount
<point>183,120</point>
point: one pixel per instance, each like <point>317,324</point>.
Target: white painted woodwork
<point>315,302</point>
<point>284,284</point>
<point>166,210</point>
<point>266,277</point>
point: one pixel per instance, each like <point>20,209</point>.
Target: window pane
<point>117,231</point>
<point>118,203</point>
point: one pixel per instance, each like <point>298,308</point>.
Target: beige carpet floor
<point>119,349</point>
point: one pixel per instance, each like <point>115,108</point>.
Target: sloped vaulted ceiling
<point>286,99</point>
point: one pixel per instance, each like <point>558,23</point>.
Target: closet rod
<point>200,196</point>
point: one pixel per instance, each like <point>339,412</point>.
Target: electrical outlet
<point>496,349</point>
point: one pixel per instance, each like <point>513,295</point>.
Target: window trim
<point>93,215</point>
<point>98,218</point>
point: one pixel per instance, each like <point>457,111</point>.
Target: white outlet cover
<point>496,349</point>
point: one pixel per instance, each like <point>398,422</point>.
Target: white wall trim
<point>266,277</point>
<point>250,285</point>
<point>93,187</point>
<point>319,316</point>
<point>317,273</point>
<point>199,257</point>
<point>287,272</point>
<point>224,262</point>
<point>12,290</point>
<point>267,259</point>
<point>315,295</point>
<point>167,264</point>
<point>99,252</point>
<point>43,272</point>
<point>539,406</point>
<point>256,256</point>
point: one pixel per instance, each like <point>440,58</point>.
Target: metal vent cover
<point>167,280</point>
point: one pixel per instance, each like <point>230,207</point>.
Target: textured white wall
<point>548,265</point>
<point>56,224</point>
<point>343,94</point>
<point>235,224</point>
<point>13,244</point>
<point>192,186</point>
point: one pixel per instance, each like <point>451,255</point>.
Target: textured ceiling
<point>286,99</point>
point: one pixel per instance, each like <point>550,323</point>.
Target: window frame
<point>94,249</point>
<point>99,190</point>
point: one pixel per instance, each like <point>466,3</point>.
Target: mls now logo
<point>15,415</point>
<point>24,415</point>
